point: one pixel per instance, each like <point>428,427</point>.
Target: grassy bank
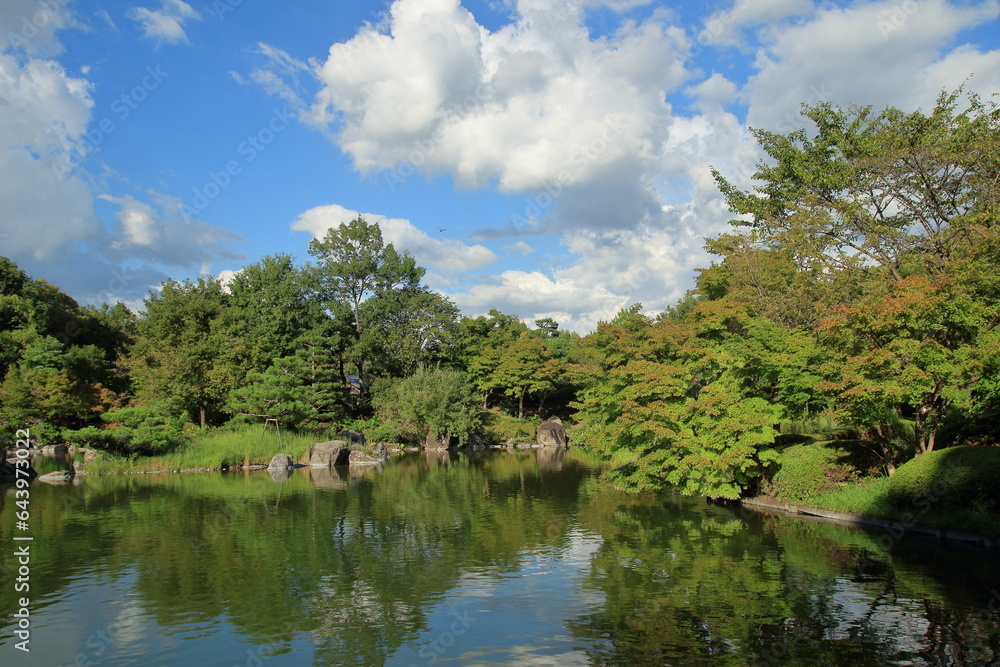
<point>870,497</point>
<point>214,450</point>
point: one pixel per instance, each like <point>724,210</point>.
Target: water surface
<point>499,558</point>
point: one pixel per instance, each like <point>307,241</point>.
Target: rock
<point>280,462</point>
<point>78,467</point>
<point>92,455</point>
<point>56,477</point>
<point>353,436</point>
<point>474,442</point>
<point>437,442</point>
<point>523,445</point>
<point>379,450</point>
<point>357,457</point>
<point>326,454</point>
<point>53,450</point>
<point>551,433</point>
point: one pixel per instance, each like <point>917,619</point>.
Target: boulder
<point>353,436</point>
<point>380,450</point>
<point>57,477</point>
<point>54,450</point>
<point>474,441</point>
<point>437,442</point>
<point>550,433</point>
<point>280,462</point>
<point>326,454</point>
<point>356,458</point>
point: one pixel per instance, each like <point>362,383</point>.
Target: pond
<point>493,558</point>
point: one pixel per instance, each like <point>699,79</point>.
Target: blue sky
<point>547,158</point>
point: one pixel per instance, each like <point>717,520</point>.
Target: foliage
<point>175,362</point>
<point>136,429</point>
<point>436,402</point>
<point>500,428</point>
<point>950,479</point>
<point>808,470</point>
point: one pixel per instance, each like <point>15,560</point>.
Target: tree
<point>439,401</point>
<point>304,387</point>
<point>270,305</point>
<point>176,362</point>
<point>887,222</point>
<point>893,191</point>
<point>357,266</point>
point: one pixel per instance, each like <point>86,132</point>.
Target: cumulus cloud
<point>447,255</point>
<point>48,221</point>
<point>723,27</point>
<point>536,105</point>
<point>167,23</point>
<point>31,26</point>
<point>894,58</point>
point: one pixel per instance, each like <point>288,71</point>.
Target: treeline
<point>314,345</point>
<point>859,290</point>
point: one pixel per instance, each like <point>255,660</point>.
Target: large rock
<point>280,462</point>
<point>326,454</point>
<point>551,433</point>
<point>437,442</point>
<point>54,450</point>
<point>474,442</point>
<point>358,458</point>
<point>353,436</point>
<point>57,477</point>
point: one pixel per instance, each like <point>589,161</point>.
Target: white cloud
<point>723,27</point>
<point>521,247</point>
<point>869,53</point>
<point>166,23</point>
<point>536,104</point>
<point>447,255</point>
<point>31,26</point>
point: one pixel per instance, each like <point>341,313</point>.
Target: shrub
<point>807,470</point>
<point>954,478</point>
<point>133,429</point>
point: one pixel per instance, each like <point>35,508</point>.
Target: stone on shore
<point>326,454</point>
<point>280,462</point>
<point>551,433</point>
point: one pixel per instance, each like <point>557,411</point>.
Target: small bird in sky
<point>441,229</point>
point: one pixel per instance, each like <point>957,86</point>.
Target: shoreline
<point>893,529</point>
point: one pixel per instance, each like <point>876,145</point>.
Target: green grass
<point>215,449</point>
<point>870,496</point>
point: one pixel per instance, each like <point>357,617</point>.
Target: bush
<point>954,478</point>
<point>436,401</point>
<point>133,429</point>
<point>808,470</point>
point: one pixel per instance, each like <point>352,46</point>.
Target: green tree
<point>357,267</point>
<point>176,362</point>
<point>439,402</point>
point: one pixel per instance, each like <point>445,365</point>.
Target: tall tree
<point>356,266</point>
<point>176,362</point>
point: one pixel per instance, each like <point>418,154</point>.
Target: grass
<point>213,450</point>
<point>870,497</point>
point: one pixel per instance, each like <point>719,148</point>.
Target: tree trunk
<point>520,405</point>
<point>201,410</point>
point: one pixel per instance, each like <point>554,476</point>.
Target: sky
<point>547,158</point>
